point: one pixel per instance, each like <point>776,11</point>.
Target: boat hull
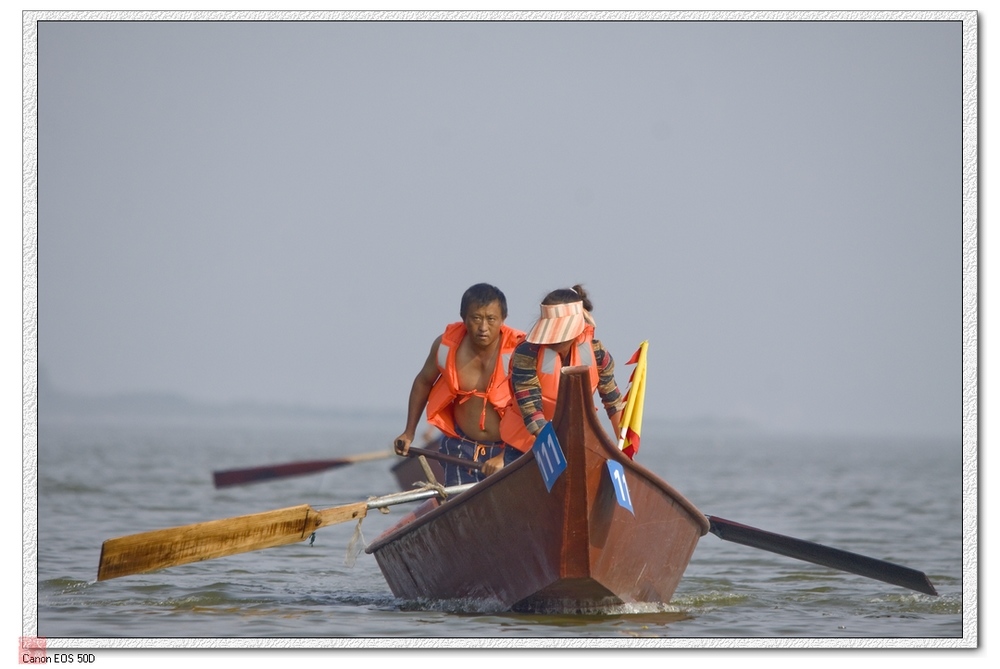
<point>515,544</point>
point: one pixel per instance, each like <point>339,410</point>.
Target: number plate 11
<point>549,455</point>
<point>621,487</point>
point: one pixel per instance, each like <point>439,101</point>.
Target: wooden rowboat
<point>571,527</point>
<point>514,543</point>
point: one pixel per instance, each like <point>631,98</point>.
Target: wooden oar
<point>231,477</point>
<point>834,558</point>
<point>147,551</point>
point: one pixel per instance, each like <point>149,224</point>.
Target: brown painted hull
<point>511,542</point>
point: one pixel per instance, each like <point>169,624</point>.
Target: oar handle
<point>339,514</point>
<point>444,457</point>
<point>416,495</point>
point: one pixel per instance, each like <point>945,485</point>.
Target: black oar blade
<point>231,477</point>
<point>834,558</point>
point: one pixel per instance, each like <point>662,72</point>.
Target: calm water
<point>894,500</point>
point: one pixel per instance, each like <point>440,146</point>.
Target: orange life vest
<point>446,389</point>
<point>549,366</point>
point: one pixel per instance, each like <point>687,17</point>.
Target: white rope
<point>355,545</point>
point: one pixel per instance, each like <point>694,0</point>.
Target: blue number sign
<point>549,456</point>
<point>621,487</point>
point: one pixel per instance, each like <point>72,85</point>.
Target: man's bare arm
<point>419,392</point>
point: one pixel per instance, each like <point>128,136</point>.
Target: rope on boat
<point>355,545</point>
<point>439,488</point>
<point>358,543</point>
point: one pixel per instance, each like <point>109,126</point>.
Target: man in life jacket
<point>562,337</point>
<point>463,385</point>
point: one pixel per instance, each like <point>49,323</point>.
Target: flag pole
<point>631,422</point>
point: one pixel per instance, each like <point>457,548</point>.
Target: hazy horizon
<point>288,213</point>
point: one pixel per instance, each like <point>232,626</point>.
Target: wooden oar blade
<point>147,551</point>
<point>158,549</point>
<point>826,556</point>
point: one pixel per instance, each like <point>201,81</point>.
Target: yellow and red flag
<point>631,420</point>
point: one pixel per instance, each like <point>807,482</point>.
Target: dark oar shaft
<point>444,457</point>
<point>834,558</point>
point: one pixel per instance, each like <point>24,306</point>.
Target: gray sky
<point>290,212</point>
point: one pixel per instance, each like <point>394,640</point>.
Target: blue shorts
<point>510,454</point>
<point>466,448</point>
